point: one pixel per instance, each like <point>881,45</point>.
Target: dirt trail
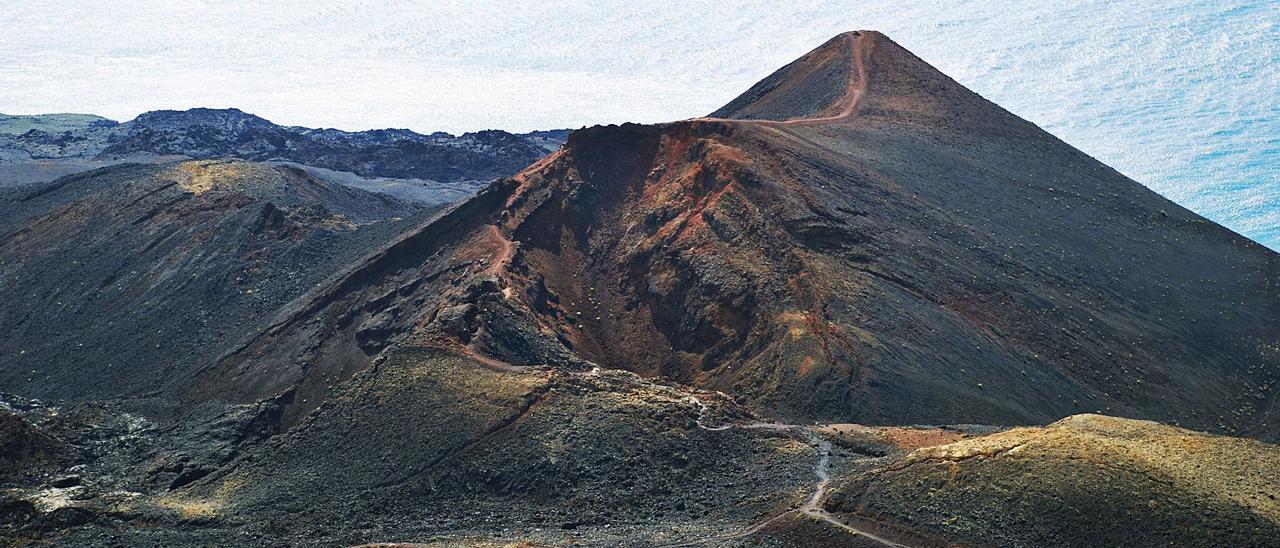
<point>821,469</point>
<point>853,94</point>
<point>812,505</point>
<point>506,250</point>
<point>491,363</point>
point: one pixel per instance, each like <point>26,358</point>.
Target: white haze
<point>1178,95</point>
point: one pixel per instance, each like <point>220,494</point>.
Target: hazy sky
<point>1179,95</point>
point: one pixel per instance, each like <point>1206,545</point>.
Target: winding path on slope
<point>811,507</point>
<point>506,251</point>
<point>821,469</point>
<point>854,90</point>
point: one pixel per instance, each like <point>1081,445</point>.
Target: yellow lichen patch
<point>199,177</point>
<point>1234,470</point>
<point>192,506</point>
<point>792,447</point>
<point>191,509</point>
<point>796,322</point>
<point>1230,469</point>
<point>986,446</point>
<point>48,500</point>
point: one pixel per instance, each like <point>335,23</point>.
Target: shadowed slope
<point>118,280</point>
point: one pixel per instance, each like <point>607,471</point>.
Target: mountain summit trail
<point>854,89</point>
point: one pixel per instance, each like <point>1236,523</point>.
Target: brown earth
<point>902,438</point>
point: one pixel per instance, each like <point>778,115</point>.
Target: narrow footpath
<point>812,505</point>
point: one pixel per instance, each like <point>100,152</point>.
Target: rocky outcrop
<point>26,450</point>
<point>396,153</point>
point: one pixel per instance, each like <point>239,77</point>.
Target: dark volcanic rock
<point>26,450</point>
<point>31,146</point>
<point>399,153</point>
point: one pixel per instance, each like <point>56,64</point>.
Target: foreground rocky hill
<point>673,334</point>
<point>1084,480</point>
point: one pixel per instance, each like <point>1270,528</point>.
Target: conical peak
<point>822,85</point>
<point>856,74</point>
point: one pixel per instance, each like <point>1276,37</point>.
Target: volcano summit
<point>631,341</point>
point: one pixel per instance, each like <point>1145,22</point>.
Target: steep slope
<point>817,85</point>
<point>1085,480</point>
<point>119,278</point>
<point>914,255</point>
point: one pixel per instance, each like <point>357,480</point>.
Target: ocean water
<point>1180,95</point>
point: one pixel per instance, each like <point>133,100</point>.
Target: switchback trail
<point>821,469</point>
<point>812,505</point>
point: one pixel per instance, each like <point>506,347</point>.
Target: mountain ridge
<point>204,133</point>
